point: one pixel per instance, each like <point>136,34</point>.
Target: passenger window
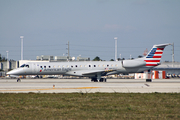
<point>76,66</point>
<point>94,65</point>
<point>98,65</point>
<point>40,66</point>
<point>116,65</point>
<point>44,66</point>
<point>112,65</point>
<point>67,66</point>
<point>107,65</point>
<point>80,65</point>
<point>27,66</point>
<point>103,65</point>
<point>72,66</point>
<point>59,66</point>
<point>49,66</point>
<point>89,65</point>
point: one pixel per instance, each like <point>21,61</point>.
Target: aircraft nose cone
<point>14,72</point>
<point>9,73</point>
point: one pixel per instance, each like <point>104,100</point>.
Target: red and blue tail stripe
<point>154,56</point>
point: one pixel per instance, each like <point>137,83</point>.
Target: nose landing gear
<point>18,80</point>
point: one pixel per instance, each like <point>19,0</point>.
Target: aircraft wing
<point>89,72</point>
<point>97,71</point>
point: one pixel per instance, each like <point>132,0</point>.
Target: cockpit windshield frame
<point>24,65</point>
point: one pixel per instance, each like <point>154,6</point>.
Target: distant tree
<point>97,59</point>
<point>11,60</point>
<point>2,59</point>
<point>112,60</point>
<point>121,59</point>
<point>140,56</point>
<point>131,58</point>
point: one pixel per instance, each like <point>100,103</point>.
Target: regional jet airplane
<point>93,69</point>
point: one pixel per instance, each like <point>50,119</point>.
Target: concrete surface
<point>86,86</point>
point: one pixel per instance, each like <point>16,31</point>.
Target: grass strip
<point>88,106</point>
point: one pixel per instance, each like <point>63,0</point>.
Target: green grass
<point>90,106</point>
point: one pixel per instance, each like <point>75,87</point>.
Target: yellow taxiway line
<point>48,89</point>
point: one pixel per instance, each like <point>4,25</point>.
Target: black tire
<point>101,80</point>
<point>148,80</point>
<point>95,80</point>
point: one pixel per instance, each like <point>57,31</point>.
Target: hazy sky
<point>90,26</point>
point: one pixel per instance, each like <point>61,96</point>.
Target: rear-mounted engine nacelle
<point>133,63</point>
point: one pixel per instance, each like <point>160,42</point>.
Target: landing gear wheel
<point>18,80</point>
<point>148,80</point>
<point>94,80</point>
<point>101,80</point>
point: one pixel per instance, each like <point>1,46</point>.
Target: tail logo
<point>154,57</point>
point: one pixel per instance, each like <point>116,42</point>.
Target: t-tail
<point>153,58</point>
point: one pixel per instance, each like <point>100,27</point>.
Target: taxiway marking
<point>49,89</point>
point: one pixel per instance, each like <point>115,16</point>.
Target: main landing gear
<point>96,80</point>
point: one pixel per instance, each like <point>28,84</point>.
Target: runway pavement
<point>86,86</point>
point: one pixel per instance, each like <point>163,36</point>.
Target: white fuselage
<point>86,68</point>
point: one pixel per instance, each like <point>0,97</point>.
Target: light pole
<point>21,47</point>
<point>7,61</point>
<point>68,51</point>
<point>172,55</point>
<point>115,38</point>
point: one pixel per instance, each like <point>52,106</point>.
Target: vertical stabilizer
<point>154,56</point>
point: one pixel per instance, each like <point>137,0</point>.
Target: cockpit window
<point>24,65</point>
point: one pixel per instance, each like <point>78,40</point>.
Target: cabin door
<point>34,68</point>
